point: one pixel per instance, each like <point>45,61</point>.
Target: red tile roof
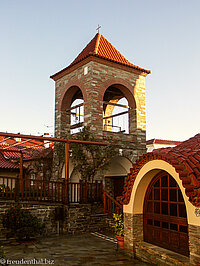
<point>100,47</point>
<point>185,158</point>
<point>163,142</point>
<point>5,164</point>
<point>29,149</point>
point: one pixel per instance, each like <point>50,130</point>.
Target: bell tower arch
<point>108,93</point>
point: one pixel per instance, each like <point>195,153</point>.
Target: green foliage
<point>89,159</point>
<point>2,256</point>
<point>21,223</point>
<point>119,224</point>
<point>4,189</point>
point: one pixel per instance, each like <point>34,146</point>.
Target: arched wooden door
<point>165,217</point>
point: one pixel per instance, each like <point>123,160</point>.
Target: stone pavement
<point>67,250</point>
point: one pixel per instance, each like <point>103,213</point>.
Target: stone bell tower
<point>103,90</point>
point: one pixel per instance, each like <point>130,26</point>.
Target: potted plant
<point>119,229</point>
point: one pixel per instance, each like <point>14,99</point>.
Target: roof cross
<point>98,28</point>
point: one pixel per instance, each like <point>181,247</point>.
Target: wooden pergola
<point>30,138</point>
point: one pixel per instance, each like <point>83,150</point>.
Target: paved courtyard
<point>86,249</point>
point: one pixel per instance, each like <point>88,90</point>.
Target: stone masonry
<point>101,75</point>
<point>75,218</point>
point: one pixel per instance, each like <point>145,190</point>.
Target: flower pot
<point>120,241</point>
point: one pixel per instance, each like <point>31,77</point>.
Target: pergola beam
<point>52,139</point>
<point>66,141</point>
<point>16,144</point>
<point>4,139</point>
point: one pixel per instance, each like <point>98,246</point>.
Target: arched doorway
<point>116,174</point>
<point>165,216</point>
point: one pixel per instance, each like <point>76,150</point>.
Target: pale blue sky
<point>40,37</point>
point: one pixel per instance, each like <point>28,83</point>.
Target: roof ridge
<point>99,46</point>
<point>97,43</point>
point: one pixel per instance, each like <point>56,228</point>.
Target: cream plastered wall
<point>119,166</point>
<point>74,176</point>
<point>9,173</point>
<point>71,169</point>
<point>144,177</point>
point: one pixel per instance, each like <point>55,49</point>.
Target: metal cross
<point>98,28</point>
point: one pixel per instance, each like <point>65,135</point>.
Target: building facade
<point>162,205</point>
<point>153,144</point>
<point>102,90</point>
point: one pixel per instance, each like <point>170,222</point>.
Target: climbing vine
<point>88,159</point>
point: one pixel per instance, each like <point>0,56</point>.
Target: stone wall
<point>85,218</point>
<point>194,243</point>
<point>102,74</point>
<point>133,231</point>
<point>77,218</point>
<point>42,211</point>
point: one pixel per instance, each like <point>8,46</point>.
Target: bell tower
<point>103,90</point>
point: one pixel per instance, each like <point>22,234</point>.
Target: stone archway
<point>116,174</point>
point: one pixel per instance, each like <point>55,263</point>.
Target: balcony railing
<point>13,188</point>
<point>111,205</point>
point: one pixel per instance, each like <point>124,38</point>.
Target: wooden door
<point>118,186</point>
<point>165,217</point>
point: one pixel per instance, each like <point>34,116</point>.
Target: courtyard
<point>68,250</point>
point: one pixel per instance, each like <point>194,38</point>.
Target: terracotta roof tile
<point>163,142</point>
<point>185,158</point>
<point>27,147</point>
<point>100,47</point>
<point>5,164</point>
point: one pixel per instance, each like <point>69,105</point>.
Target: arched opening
<point>73,105</point>
<point>76,112</point>
<point>116,109</point>
<point>76,116</point>
<point>116,175</point>
<point>165,216</point>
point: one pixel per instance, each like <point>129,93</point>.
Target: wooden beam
<point>116,104</point>
<point>67,161</point>
<point>21,173</point>
<point>76,125</point>
<point>53,139</point>
<point>16,144</point>
<point>111,116</point>
<point>4,139</point>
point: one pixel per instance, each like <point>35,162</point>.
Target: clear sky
<point>40,37</point>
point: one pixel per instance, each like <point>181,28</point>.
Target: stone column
<point>194,243</point>
<point>133,231</point>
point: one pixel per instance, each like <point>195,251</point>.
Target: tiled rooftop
<point>185,158</point>
<point>163,142</point>
<point>10,150</point>
<point>100,47</point>
<point>5,164</point>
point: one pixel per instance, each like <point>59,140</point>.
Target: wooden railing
<point>111,205</point>
<point>86,192</point>
<point>12,188</point>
